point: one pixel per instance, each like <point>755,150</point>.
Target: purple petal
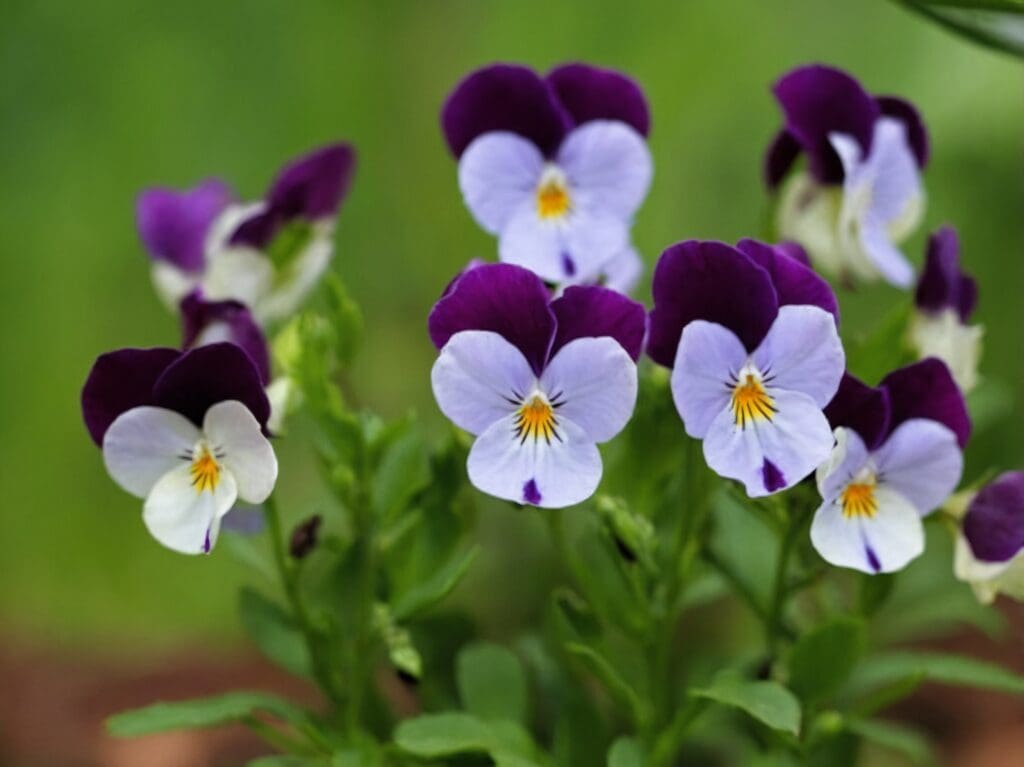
<point>204,376</point>
<point>711,281</point>
<point>794,250</point>
<point>994,524</point>
<point>942,284</point>
<point>503,97</point>
<point>591,93</point>
<point>862,408</point>
<point>779,158</point>
<point>119,381</point>
<point>917,134</point>
<point>592,312</point>
<point>819,100</point>
<point>926,389</point>
<point>502,298</point>
<point>173,224</point>
<point>473,263</point>
<point>225,321</point>
<point>795,282</point>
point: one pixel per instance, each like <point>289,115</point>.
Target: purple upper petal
<point>862,408</point>
<point>926,389</point>
<point>591,312</point>
<point>503,97</point>
<point>917,134</point>
<point>994,525</point>
<point>794,281</point>
<point>204,376</point>
<point>779,158</point>
<point>503,298</point>
<point>711,281</point>
<point>818,100</point>
<point>591,93</point>
<point>942,284</point>
<point>238,325</point>
<point>173,224</point>
<point>119,381</point>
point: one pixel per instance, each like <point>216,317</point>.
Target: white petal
<point>595,379</point>
<point>238,273</point>
<point>988,579</point>
<point>897,183</point>
<point>793,443</point>
<point>848,457</point>
<point>809,214</point>
<point>802,352</point>
<point>608,166</point>
<point>145,443</point>
<point>623,272</point>
<point>235,437</point>
<point>884,543</point>
<point>172,284</point>
<point>498,174</point>
<point>922,461</point>
<point>877,245</point>
<point>943,335</point>
<point>475,377</point>
<point>282,393</point>
<point>708,357</point>
<point>291,285</point>
<point>182,518</point>
<point>562,473</point>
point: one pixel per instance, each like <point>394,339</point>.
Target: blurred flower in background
<point>990,546</point>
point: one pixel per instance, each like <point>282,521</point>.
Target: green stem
<point>279,740</point>
<point>774,622</point>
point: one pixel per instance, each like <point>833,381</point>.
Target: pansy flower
<point>990,548</point>
<point>554,166</point>
<point>539,382</point>
<point>945,300</point>
<point>860,194</point>
<point>267,254</point>
<point>750,334</point>
<point>897,458</point>
<point>186,431</point>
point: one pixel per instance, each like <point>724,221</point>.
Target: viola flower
<point>750,335</point>
<point>897,458</point>
<point>267,255</point>
<point>860,194</point>
<point>539,382</point>
<point>990,548</point>
<point>555,167</point>
<point>184,430</point>
<point>945,300</point>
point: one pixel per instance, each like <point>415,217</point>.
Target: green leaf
<point>613,681</point>
<point>431,591</point>
<point>894,737</point>
<point>768,702</point>
<point>274,632</point>
<point>204,712</point>
<point>884,348</point>
<point>887,668</point>
<point>251,551</point>
<point>626,752</point>
<point>284,760</point>
<point>404,470</point>
<point>997,24</point>
<point>434,736</point>
<point>491,682</point>
<point>346,318</point>
<point>574,617</point>
<point>822,660</point>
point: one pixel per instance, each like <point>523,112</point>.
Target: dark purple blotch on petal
<point>503,298</point>
<point>818,100</point>
<point>779,158</point>
<point>173,224</point>
<point>711,281</point>
<point>198,314</point>
<point>926,389</point>
<point>503,97</point>
<point>568,265</point>
<point>773,478</point>
<point>795,282</point>
<point>917,134</point>
<point>202,377</point>
<point>873,562</point>
<point>206,542</point>
<point>994,524</point>
<point>862,408</point>
<point>119,381</point>
<point>587,311</point>
<point>942,284</point>
<point>531,494</point>
<point>592,93</point>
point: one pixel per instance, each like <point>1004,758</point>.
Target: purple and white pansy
<point>750,334</point>
<point>539,382</point>
<point>186,431</point>
<point>945,300</point>
<point>267,255</point>
<point>990,548</point>
<point>554,166</point>
<point>860,194</point>
<point>897,458</point>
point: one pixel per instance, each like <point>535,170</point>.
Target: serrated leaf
<point>274,632</point>
<point>626,752</point>
<point>884,669</point>
<point>203,712</point>
<point>822,660</point>
<point>431,591</point>
<point>768,702</point>
<point>491,682</point>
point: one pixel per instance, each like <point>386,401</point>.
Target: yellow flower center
<point>536,418</point>
<point>750,401</point>
<point>553,195</point>
<point>858,499</point>
<point>205,471</point>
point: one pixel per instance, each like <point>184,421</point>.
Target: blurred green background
<point>102,99</point>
